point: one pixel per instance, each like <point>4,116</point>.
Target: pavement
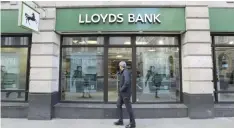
<point>108,123</point>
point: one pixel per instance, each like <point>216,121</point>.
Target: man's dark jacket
<point>125,83</point>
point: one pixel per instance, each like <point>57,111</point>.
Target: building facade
<point>180,55</point>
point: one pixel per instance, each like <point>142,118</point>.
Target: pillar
<point>197,63</point>
<point>44,69</point>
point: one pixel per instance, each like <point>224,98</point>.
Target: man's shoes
<point>157,97</point>
<point>130,126</point>
<point>118,122</point>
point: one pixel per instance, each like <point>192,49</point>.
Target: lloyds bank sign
<point>119,18</point>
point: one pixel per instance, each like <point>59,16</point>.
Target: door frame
<point>106,49</point>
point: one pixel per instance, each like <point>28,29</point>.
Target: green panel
<point>172,19</point>
<point>221,19</point>
<point>9,22</point>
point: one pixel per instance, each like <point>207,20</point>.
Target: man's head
<point>79,68</point>
<point>122,65</point>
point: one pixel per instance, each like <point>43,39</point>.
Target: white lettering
<point>104,18</point>
<point>131,18</point>
<point>148,18</point>
<point>139,19</point>
<point>111,16</point>
<point>86,19</point>
<point>95,18</point>
<point>120,18</point>
<point>80,19</point>
<point>156,18</point>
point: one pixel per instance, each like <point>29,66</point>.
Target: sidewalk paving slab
<point>108,123</point>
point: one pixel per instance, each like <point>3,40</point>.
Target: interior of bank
<point>89,67</point>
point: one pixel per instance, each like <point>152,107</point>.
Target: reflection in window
<point>83,40</point>
<point>225,71</point>
<point>158,74</point>
<point>228,40</point>
<point>13,73</point>
<point>156,40</point>
<point>225,67</point>
<point>82,74</point>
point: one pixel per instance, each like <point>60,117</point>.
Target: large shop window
<point>224,61</point>
<point>158,69</point>
<point>90,71</point>
<point>14,68</point>
<point>82,73</point>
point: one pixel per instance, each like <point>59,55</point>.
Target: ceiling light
<point>82,42</point>
<point>75,41</point>
<point>119,56</point>
<point>151,50</point>
<point>160,42</point>
<point>92,42</point>
<point>136,43</point>
<point>127,43</point>
<point>141,42</point>
<point>231,42</point>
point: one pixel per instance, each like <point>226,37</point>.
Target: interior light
<point>231,42</point>
<point>119,56</point>
<point>75,41</point>
<point>92,42</point>
<point>160,42</point>
<point>136,43</point>
<point>151,50</point>
<point>127,43</point>
<point>82,42</point>
<point>141,42</point>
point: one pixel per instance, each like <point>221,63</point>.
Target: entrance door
<point>115,55</point>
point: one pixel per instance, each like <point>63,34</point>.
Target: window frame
<point>215,75</point>
<point>106,45</point>
<point>28,46</point>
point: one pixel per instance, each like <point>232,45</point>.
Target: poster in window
<point>83,72</point>
<point>10,67</point>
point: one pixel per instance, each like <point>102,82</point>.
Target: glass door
<point>115,55</point>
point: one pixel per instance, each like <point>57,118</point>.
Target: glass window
<point>156,40</point>
<point>226,97</point>
<point>83,40</point>
<point>82,77</point>
<point>228,40</point>
<point>158,74</point>
<point>120,40</point>
<point>225,71</point>
<point>14,41</point>
<point>13,73</point>
<point>115,55</point>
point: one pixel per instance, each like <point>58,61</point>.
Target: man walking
<point>124,96</point>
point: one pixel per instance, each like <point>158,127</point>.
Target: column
<point>197,63</point>
<point>44,72</point>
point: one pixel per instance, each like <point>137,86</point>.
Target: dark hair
<point>151,67</point>
<point>78,67</point>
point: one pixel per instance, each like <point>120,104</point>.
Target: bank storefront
<point>181,63</point>
<point>89,62</point>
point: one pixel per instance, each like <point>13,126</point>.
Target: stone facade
<point>196,56</point>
